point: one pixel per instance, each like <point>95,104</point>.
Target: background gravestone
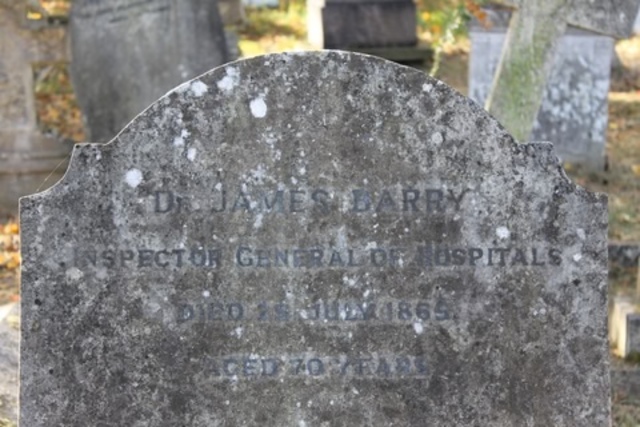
<point>27,156</point>
<point>535,29</point>
<point>348,24</point>
<point>574,110</point>
<point>308,239</point>
<point>128,53</point>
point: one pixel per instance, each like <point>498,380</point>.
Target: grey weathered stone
<point>314,239</point>
<point>9,358</point>
<point>128,53</point>
<point>346,24</point>
<point>574,110</point>
<point>27,156</point>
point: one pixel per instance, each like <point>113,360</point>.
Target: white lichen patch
<point>74,274</point>
<point>577,257</point>
<point>191,154</point>
<point>348,281</point>
<point>427,87</point>
<point>198,88</point>
<point>581,234</point>
<point>503,232</point>
<point>195,88</point>
<point>179,141</point>
<point>258,222</point>
<point>437,138</point>
<point>418,328</point>
<point>230,81</point>
<point>259,174</point>
<point>206,294</point>
<point>133,178</point>
<point>258,108</point>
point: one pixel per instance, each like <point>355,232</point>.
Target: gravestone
<point>318,238</point>
<point>27,156</point>
<point>349,24</point>
<point>534,32</point>
<point>128,53</point>
<point>574,109</point>
<point>624,326</point>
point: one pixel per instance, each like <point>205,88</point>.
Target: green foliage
<point>446,21</point>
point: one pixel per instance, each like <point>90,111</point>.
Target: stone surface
<point>128,53</point>
<point>348,24</point>
<point>528,54</point>
<point>318,238</point>
<point>574,109</point>
<point>26,155</point>
<point>9,357</point>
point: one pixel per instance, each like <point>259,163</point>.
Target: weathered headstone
<point>318,238</point>
<point>573,113</point>
<point>534,31</point>
<point>128,53</point>
<point>624,326</point>
<point>348,24</point>
<point>27,156</point>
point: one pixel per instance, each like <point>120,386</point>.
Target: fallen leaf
<point>14,261</point>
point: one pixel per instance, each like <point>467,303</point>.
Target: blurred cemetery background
<point>41,118</point>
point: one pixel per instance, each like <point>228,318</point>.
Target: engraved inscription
<point>235,367</point>
<point>381,311</point>
<point>285,201</point>
<point>248,257</point>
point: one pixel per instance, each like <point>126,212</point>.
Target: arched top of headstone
<point>350,235</point>
<point>340,103</point>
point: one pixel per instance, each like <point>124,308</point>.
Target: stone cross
<point>534,31</point>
